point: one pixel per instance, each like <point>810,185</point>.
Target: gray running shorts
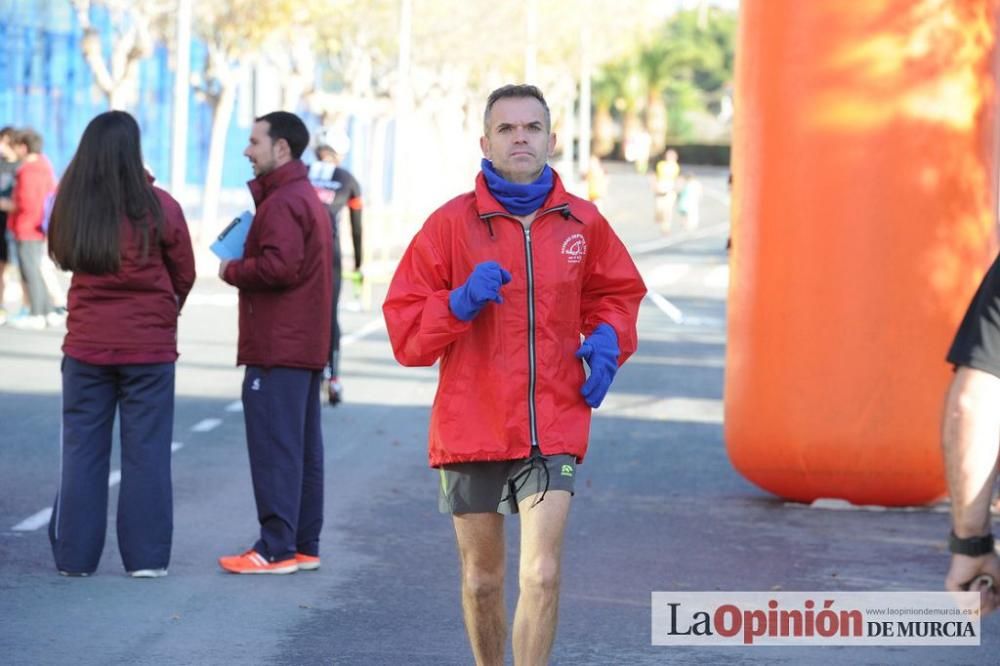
<point>498,487</point>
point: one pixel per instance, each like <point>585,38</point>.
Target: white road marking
<point>681,410</point>
<point>718,277</point>
<point>40,519</point>
<point>836,504</point>
<point>235,407</point>
<point>676,239</point>
<point>32,523</point>
<point>668,308</point>
<point>704,322</point>
<point>665,274</point>
<point>206,425</point>
<point>370,327</point>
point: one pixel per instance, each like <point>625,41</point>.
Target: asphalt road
<point>658,507</point>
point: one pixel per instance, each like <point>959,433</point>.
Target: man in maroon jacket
<point>285,284</point>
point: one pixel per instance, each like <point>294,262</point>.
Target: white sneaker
<point>55,319</point>
<point>28,323</point>
<point>148,573</point>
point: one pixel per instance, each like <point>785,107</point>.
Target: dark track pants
<point>281,409</point>
<point>144,398</point>
<point>333,365</point>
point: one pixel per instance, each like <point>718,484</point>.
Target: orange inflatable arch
<point>864,201</point>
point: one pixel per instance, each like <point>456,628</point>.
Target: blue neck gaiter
<point>518,198</point>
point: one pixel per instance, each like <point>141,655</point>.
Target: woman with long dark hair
<point>127,244</point>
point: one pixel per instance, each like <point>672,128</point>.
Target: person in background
<point>127,243</point>
<point>285,281</point>
<point>689,200</point>
<point>665,188</point>
<point>8,169</point>
<point>637,147</point>
<point>499,285</point>
<point>597,181</point>
<point>34,181</point>
<point>337,189</point>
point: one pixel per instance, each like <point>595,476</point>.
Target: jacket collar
<point>488,206</point>
<point>262,186</point>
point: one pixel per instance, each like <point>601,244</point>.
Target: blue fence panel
<point>46,84</point>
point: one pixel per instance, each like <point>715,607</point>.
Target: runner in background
<point>337,188</point>
<point>665,189</point>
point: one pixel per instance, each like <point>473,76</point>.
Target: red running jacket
<point>285,277</point>
<point>509,377</point>
<point>35,180</point>
<point>130,317</point>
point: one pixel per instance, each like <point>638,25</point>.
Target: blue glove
<point>482,287</point>
<point>600,350</point>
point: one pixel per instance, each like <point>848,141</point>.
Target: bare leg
<point>481,550</point>
<point>542,529</point>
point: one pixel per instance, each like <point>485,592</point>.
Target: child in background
<point>689,200</point>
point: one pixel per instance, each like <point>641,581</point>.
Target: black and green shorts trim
<point>499,487</point>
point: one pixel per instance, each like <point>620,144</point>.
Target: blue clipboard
<point>229,244</point>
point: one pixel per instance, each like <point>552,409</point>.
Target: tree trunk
<point>656,122</point>
<point>118,97</point>
<point>603,131</point>
<point>222,113</point>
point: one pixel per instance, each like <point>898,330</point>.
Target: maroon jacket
<point>34,181</point>
<point>130,317</point>
<point>285,277</point>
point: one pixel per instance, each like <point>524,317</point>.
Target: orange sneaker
<point>306,562</point>
<point>252,562</point>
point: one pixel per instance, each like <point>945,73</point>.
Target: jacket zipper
<point>532,421</point>
<point>529,266</point>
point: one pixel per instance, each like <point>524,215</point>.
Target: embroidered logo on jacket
<point>575,248</point>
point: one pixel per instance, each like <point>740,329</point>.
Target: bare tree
<point>236,34</point>
<point>133,33</point>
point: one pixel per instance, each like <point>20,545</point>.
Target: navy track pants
<point>144,398</point>
<point>281,409</point>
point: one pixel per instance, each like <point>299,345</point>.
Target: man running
<point>499,285</point>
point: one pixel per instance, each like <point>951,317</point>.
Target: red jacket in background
<point>130,317</point>
<point>569,274</point>
<point>285,277</point>
<point>34,181</point>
